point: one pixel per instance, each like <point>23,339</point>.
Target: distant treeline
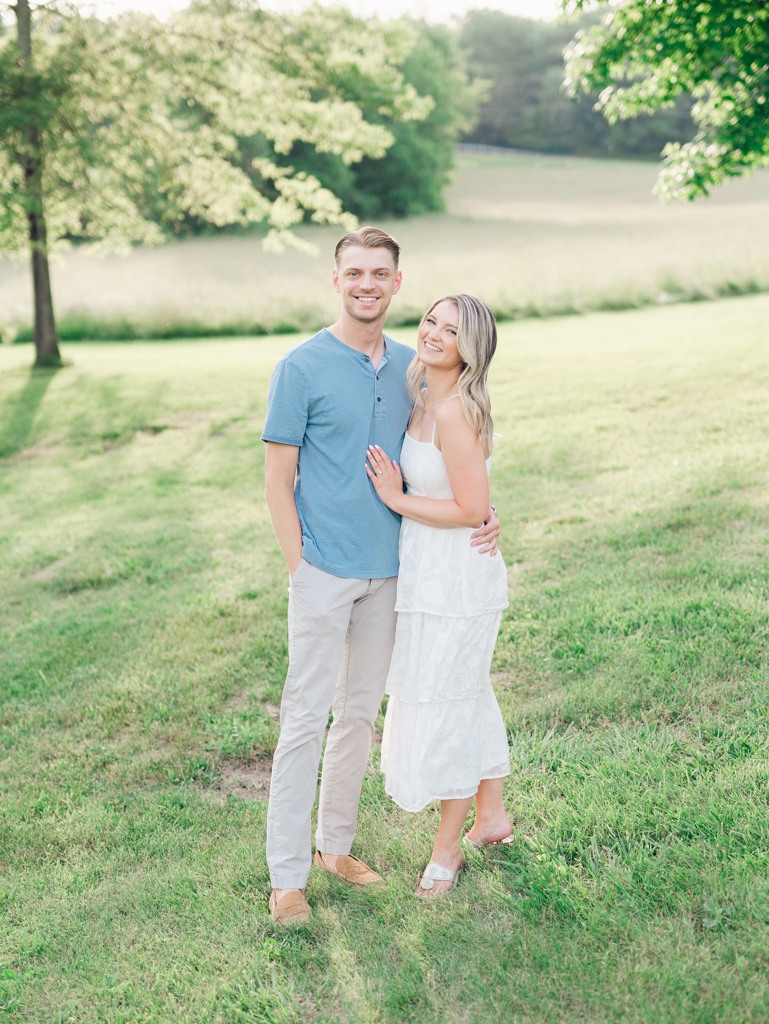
<point>526,107</point>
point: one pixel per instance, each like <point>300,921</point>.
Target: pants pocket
<point>299,571</point>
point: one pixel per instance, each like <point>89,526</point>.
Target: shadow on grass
<point>21,409</point>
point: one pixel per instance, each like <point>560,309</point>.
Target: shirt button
<point>379,399</point>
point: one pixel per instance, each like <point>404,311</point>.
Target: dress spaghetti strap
<point>432,439</point>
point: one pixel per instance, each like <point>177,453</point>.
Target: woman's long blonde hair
<point>476,344</point>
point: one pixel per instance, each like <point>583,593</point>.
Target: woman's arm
<point>465,464</point>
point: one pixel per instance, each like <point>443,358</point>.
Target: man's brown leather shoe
<point>350,870</point>
<point>292,908</point>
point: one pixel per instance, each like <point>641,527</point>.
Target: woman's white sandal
<point>435,872</point>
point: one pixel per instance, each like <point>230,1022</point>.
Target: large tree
<point>644,54</point>
<point>112,129</point>
<point>411,177</point>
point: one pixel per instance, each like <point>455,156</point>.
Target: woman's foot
<point>446,857</point>
<point>486,832</point>
<point>491,822</point>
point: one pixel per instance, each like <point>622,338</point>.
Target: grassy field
<point>144,599</point>
<point>531,235</point>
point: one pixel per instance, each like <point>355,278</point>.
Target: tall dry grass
<point>534,236</point>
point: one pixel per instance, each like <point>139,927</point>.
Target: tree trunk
<point>46,338</point>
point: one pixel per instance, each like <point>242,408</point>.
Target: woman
<point>444,738</point>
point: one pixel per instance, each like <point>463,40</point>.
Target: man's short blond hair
<point>369,238</point>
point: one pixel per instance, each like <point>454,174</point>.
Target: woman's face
<point>437,339</point>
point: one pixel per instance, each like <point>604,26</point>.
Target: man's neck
<point>364,337</point>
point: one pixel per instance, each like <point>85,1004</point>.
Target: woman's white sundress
<point>443,730</point>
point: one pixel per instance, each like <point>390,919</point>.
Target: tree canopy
<point>643,55</point>
<point>410,177</point>
<point>113,130</point>
<point>140,119</point>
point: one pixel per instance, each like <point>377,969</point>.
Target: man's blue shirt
<point>330,401</point>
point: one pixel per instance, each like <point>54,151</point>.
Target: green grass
<point>532,236</point>
<point>143,654</point>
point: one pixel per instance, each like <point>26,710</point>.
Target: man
<point>330,398</point>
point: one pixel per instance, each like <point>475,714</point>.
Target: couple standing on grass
<point>343,408</point>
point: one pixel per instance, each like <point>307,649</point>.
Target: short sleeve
<point>287,405</point>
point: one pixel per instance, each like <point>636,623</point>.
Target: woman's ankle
<point>449,855</point>
<point>492,817</point>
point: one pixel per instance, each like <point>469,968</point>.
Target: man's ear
<point>397,283</point>
<point>335,280</point>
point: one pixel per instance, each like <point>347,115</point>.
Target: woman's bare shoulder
<point>451,414</point>
<point>453,427</point>
<point>451,419</point>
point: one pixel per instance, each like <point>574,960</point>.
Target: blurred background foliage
<point>490,78</point>
<point>494,79</point>
<point>411,177</point>
<point>527,107</point>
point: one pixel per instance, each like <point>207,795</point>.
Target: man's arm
<point>280,475</point>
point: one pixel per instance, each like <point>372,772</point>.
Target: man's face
<point>367,280</point>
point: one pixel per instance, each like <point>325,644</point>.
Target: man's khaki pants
<point>340,640</point>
